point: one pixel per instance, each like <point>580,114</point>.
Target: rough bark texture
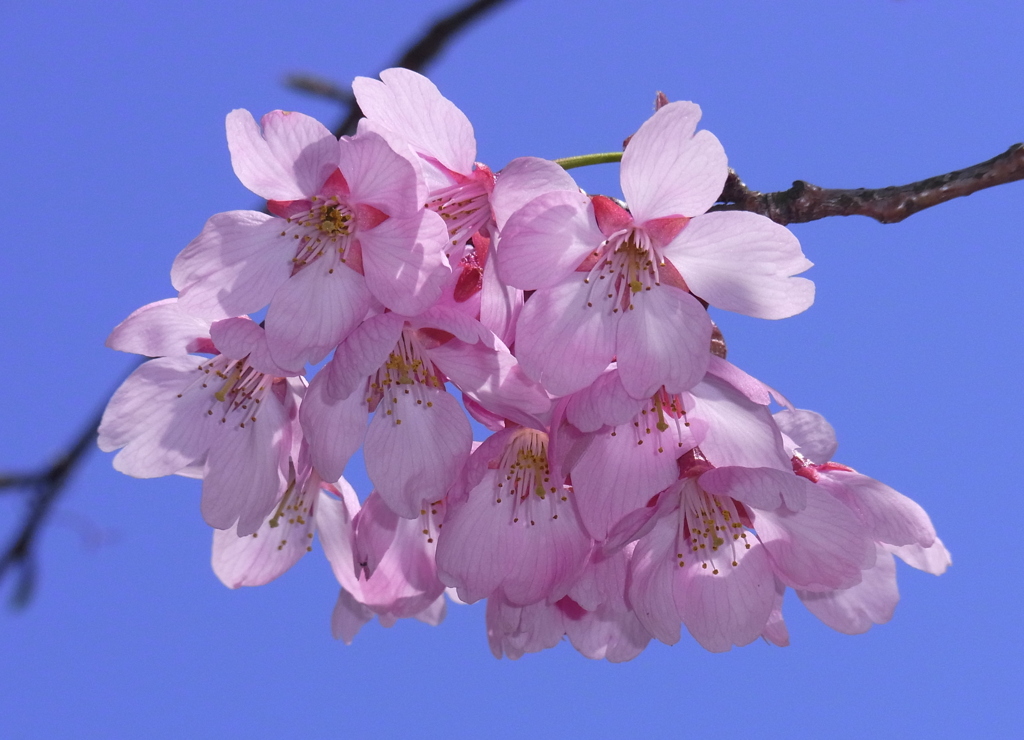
<point>806,202</point>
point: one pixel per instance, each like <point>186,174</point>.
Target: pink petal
<point>547,239</point>
<point>259,558</point>
<point>161,431</point>
<point>234,266</point>
<point>775,631</point>
<point>500,304</point>
<point>243,478</point>
<point>667,170</point>
<point>617,475</point>
<point>159,329</point>
<point>481,548</point>
<point>244,339</point>
<point>651,584</point>
<point>313,311</point>
<point>743,262</point>
<point>731,607</point>
<point>404,262</point>
<point>411,105</point>
<point>664,339</point>
<point>405,581</point>
<point>334,429</point>
<point>415,448</point>
<point>375,527</point>
<point>379,177</point>
<point>290,159</point>
<point>435,613</point>
<point>362,353</point>
<point>515,631</point>
<point>755,391</point>
<point>492,377</point>
<point>854,610</point>
<point>815,437</point>
<point>761,488</point>
<point>889,516</point>
<point>334,523</point>
<point>819,548</point>
<point>602,402</point>
<point>561,342</point>
<point>739,432</point>
<point>348,617</point>
<point>524,179</point>
<point>934,559</point>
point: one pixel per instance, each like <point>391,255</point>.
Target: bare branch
<point>44,487</point>
<point>320,87</point>
<point>805,202</point>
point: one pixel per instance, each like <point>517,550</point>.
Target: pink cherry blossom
<point>403,582</point>
<point>628,448</point>
<point>617,284</point>
<point>419,438</point>
<point>235,414</point>
<point>347,226</point>
<point>409,111</point>
<point>517,530</point>
<point>724,539</point>
<point>897,524</point>
<point>283,538</point>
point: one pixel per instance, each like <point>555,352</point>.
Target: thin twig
<point>44,487</point>
<point>806,202</point>
<point>320,87</point>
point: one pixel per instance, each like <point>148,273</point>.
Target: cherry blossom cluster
<point>634,481</point>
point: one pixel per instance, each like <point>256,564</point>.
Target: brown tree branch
<point>806,202</point>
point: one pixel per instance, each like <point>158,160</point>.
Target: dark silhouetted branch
<point>805,202</point>
<point>43,488</point>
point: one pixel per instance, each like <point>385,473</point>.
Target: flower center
<point>431,516</point>
<point>325,228</point>
<point>524,477</point>
<point>662,422</point>
<point>626,266</point>
<point>241,389</point>
<point>466,209</point>
<point>711,530</point>
<point>407,374</point>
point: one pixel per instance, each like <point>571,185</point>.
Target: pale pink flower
<point>513,631</point>
<point>409,111</point>
<point>402,581</point>
<point>616,284</point>
<point>234,414</point>
<point>628,448</point>
<point>896,523</point>
<point>419,438</point>
<point>722,543</point>
<point>516,531</point>
<point>348,226</point>
<point>283,538</point>
<point>604,629</point>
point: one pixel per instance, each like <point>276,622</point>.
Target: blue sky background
<point>112,156</point>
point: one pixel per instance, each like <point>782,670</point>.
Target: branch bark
<point>806,202</point>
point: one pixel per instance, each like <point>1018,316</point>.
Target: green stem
<point>587,159</point>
